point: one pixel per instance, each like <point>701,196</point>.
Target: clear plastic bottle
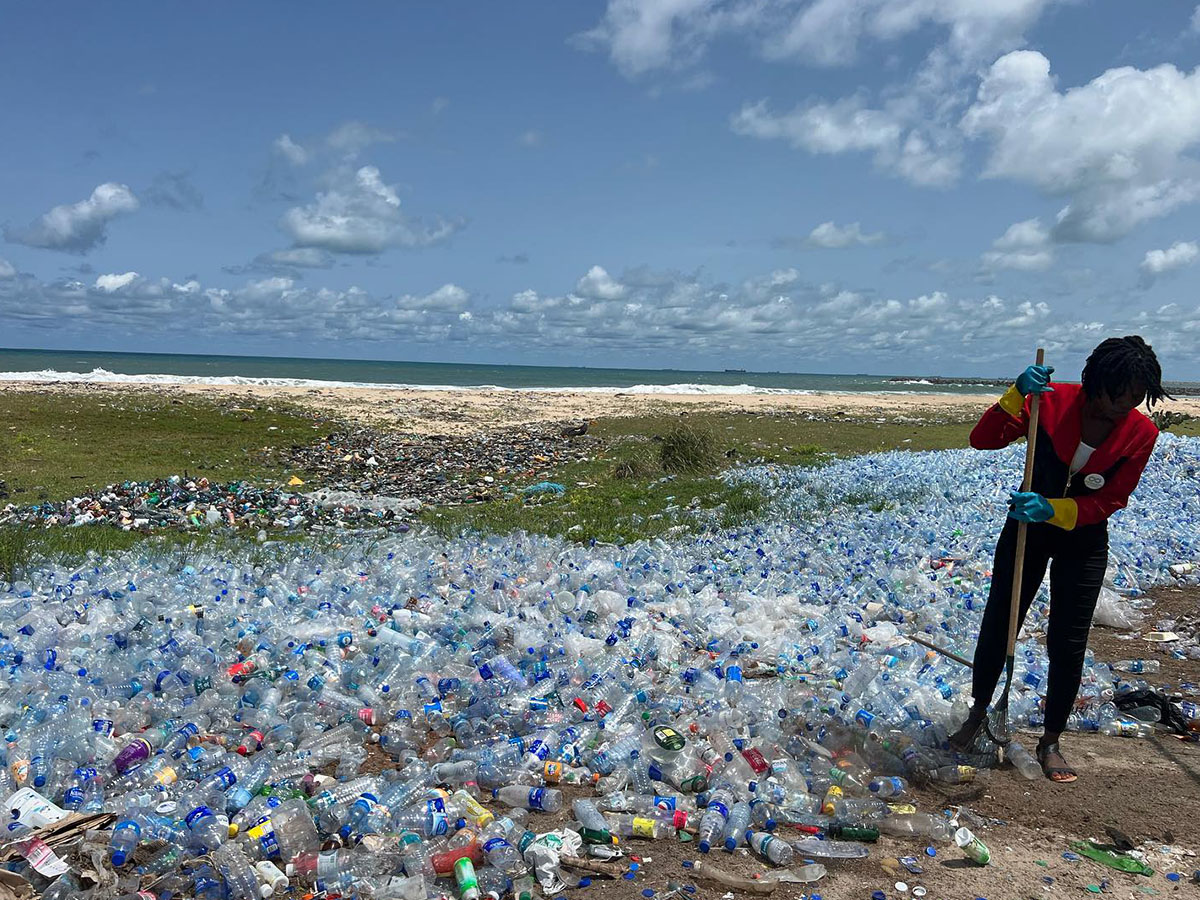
<point>530,797</point>
<point>773,849</point>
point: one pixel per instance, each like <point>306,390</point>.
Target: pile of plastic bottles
<point>368,720</point>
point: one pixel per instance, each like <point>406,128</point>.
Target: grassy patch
<point>54,446</point>
<point>658,474</point>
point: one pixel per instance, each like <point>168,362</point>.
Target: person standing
<point>1092,446</point>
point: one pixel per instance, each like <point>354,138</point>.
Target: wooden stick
<point>1022,527</point>
<point>949,654</point>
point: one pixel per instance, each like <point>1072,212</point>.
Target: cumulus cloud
<point>110,283</point>
<point>174,190</point>
<point>353,137</point>
<point>835,237</point>
<point>1025,245</point>
<point>6,269</point>
<point>776,315</point>
<point>77,227</point>
<point>359,213</point>
<point>1117,148</point>
<point>1177,256</point>
<point>597,284</point>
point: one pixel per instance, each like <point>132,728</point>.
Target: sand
<point>472,410</point>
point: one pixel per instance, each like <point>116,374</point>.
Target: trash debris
<point>1119,861</point>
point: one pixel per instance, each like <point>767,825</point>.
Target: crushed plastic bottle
<point>734,681</point>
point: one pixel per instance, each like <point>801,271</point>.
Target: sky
<point>882,186</point>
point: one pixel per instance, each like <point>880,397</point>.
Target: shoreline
<point>466,411</point>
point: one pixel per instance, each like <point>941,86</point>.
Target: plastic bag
<point>1115,611</point>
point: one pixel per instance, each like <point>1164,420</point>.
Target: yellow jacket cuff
<point>1012,402</point>
<point>1066,513</point>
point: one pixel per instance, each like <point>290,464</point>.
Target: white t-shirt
<point>1082,454</point>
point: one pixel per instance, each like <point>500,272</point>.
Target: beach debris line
<point>353,479</point>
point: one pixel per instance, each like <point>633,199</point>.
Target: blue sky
<point>805,185</point>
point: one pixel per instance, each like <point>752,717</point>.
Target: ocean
<point>171,368</point>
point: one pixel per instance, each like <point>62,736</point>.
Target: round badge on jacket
<point>1094,481</point>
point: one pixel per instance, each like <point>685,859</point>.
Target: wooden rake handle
<point>1022,528</point>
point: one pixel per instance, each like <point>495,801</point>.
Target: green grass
<point>626,493</point>
<point>54,446</point>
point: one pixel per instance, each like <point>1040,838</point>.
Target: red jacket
<point>1106,480</point>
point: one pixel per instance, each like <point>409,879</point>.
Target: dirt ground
<point>1149,789</point>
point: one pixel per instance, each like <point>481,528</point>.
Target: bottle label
<point>495,844</point>
<point>535,798</point>
<point>192,818</point>
<point>552,771</point>
<point>437,824</point>
<point>864,718</point>
<point>226,776</point>
<point>102,726</point>
<point>165,776</point>
<point>201,684</point>
<point>719,807</point>
<point>664,802</point>
<point>31,809</point>
<point>42,858</point>
<point>668,738</point>
<point>464,873</point>
<point>756,760</point>
<point>643,827</point>
<point>366,715</point>
<point>263,831</point>
<point>733,673</point>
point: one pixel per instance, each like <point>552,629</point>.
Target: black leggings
<point>1077,561</point>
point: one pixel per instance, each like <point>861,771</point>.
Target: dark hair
<point>1122,363</point>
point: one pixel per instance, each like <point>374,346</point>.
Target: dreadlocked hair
<point>1122,363</point>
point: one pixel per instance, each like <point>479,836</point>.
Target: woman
<point>1092,446</point>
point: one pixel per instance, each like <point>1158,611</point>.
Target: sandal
<point>1063,774</point>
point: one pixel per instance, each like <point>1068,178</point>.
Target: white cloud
<point>110,283</point>
<point>1025,245</point>
<point>77,227</point>
<point>832,236</point>
<point>1194,24</point>
<point>848,125</point>
<point>290,150</point>
<point>775,316</point>
<point>531,138</point>
<point>6,269</point>
<point>597,284</point>
<point>359,214</point>
<point>1178,255</point>
<point>439,105</point>
<point>643,35</point>
<point>1116,147</point>
<point>174,190</point>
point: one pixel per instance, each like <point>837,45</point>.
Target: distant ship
<point>735,371</point>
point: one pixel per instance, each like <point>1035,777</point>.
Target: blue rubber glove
<point>1029,507</point>
<point>1035,380</point>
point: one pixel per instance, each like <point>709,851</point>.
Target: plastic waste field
<point>749,688</point>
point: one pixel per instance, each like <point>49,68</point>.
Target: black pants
<point>1077,562</point>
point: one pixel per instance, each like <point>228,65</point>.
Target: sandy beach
<point>471,410</point>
